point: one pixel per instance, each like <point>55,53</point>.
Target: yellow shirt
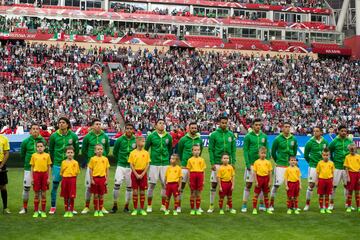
<point>99,166</point>
<point>325,170</point>
<point>292,174</point>
<point>40,162</point>
<point>352,162</point>
<point>226,173</point>
<point>139,159</point>
<point>173,174</point>
<point>69,168</point>
<point>262,167</point>
<point>4,146</point>
<point>196,164</point>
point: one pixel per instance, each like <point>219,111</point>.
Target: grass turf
<point>307,225</point>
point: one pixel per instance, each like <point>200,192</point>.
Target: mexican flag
<point>4,34</point>
<point>59,35</point>
<point>100,37</point>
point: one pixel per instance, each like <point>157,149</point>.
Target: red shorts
<point>294,189</point>
<point>68,187</point>
<point>354,184</point>
<point>226,189</point>
<point>99,187</point>
<point>40,181</point>
<point>141,184</point>
<point>325,186</point>
<point>263,184</point>
<point>172,188</point>
<point>196,181</point>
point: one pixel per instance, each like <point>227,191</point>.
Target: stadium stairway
<point>108,92</point>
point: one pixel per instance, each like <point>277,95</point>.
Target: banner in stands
<point>15,142</point>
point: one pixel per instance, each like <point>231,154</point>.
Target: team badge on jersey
<point>167,141</point>
<point>133,145</point>
<point>292,143</point>
<point>230,139</point>
<point>103,141</point>
<point>263,140</point>
<point>70,141</point>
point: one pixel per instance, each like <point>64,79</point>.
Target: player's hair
<point>341,127</point>
<point>352,145</point>
<point>195,145</point>
<point>225,154</point>
<point>286,123</point>
<point>192,123</point>
<point>256,120</point>
<point>99,145</point>
<point>140,137</point>
<point>317,127</point>
<point>70,148</point>
<point>34,124</point>
<point>262,149</point>
<point>40,142</point>
<point>94,121</point>
<point>160,119</point>
<point>128,124</point>
<point>66,120</point>
<point>326,150</point>
<point>177,157</point>
<point>292,157</point>
<point>223,117</point>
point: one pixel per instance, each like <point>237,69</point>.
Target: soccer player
<point>99,173</point>
<point>338,150</point>
<point>292,185</point>
<point>173,183</point>
<point>28,148</point>
<point>59,141</point>
<point>220,141</point>
<point>69,170</point>
<point>312,154</point>
<point>226,178</point>
<point>262,171</point>
<point>123,146</point>
<point>160,143</point>
<point>139,160</point>
<point>284,146</point>
<point>94,137</point>
<point>185,152</point>
<point>325,171</point>
<point>253,141</point>
<point>40,170</point>
<point>4,156</point>
<point>196,166</point>
<point>352,166</point>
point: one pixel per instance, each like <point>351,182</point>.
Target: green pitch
<point>307,225</point>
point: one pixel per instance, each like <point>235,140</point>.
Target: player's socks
<point>349,199</point>
<point>101,203</point>
<point>135,201</point>
<point>221,202</point>
<point>4,197</point>
<point>255,200</point>
<point>192,202</point>
<point>288,203</point>
<point>266,200</point>
<point>163,197</point>
<point>357,197</point>
<point>53,193</point>
<point>150,195</point>
<point>128,195</point>
<point>142,200</point>
<point>296,203</point>
<point>116,192</point>
<point>309,192</point>
<point>43,205</point>
<point>198,202</point>
<point>25,195</point>
<point>229,202</point>
<point>177,204</point>
<point>321,201</point>
<point>66,206</point>
<point>246,194</point>
<point>326,201</point>
<point>36,204</point>
<point>212,195</point>
<point>96,204</point>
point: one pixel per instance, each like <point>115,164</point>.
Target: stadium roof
<point>336,4</point>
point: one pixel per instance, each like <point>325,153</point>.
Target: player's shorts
<point>249,175</point>
<point>196,181</point>
<point>3,176</point>
<point>312,175</point>
<point>339,175</point>
<point>141,184</point>
<point>99,187</point>
<point>40,181</point>
<point>279,176</point>
<point>68,187</point>
<point>156,172</point>
<point>185,175</point>
<point>172,188</point>
<point>56,177</point>
<point>87,178</point>
<point>325,186</point>
<point>27,178</point>
<point>213,176</point>
<point>226,189</point>
<point>354,184</point>
<point>123,174</point>
<point>294,189</point>
<point>263,184</point>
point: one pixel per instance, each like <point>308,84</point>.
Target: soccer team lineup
<point>144,162</point>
